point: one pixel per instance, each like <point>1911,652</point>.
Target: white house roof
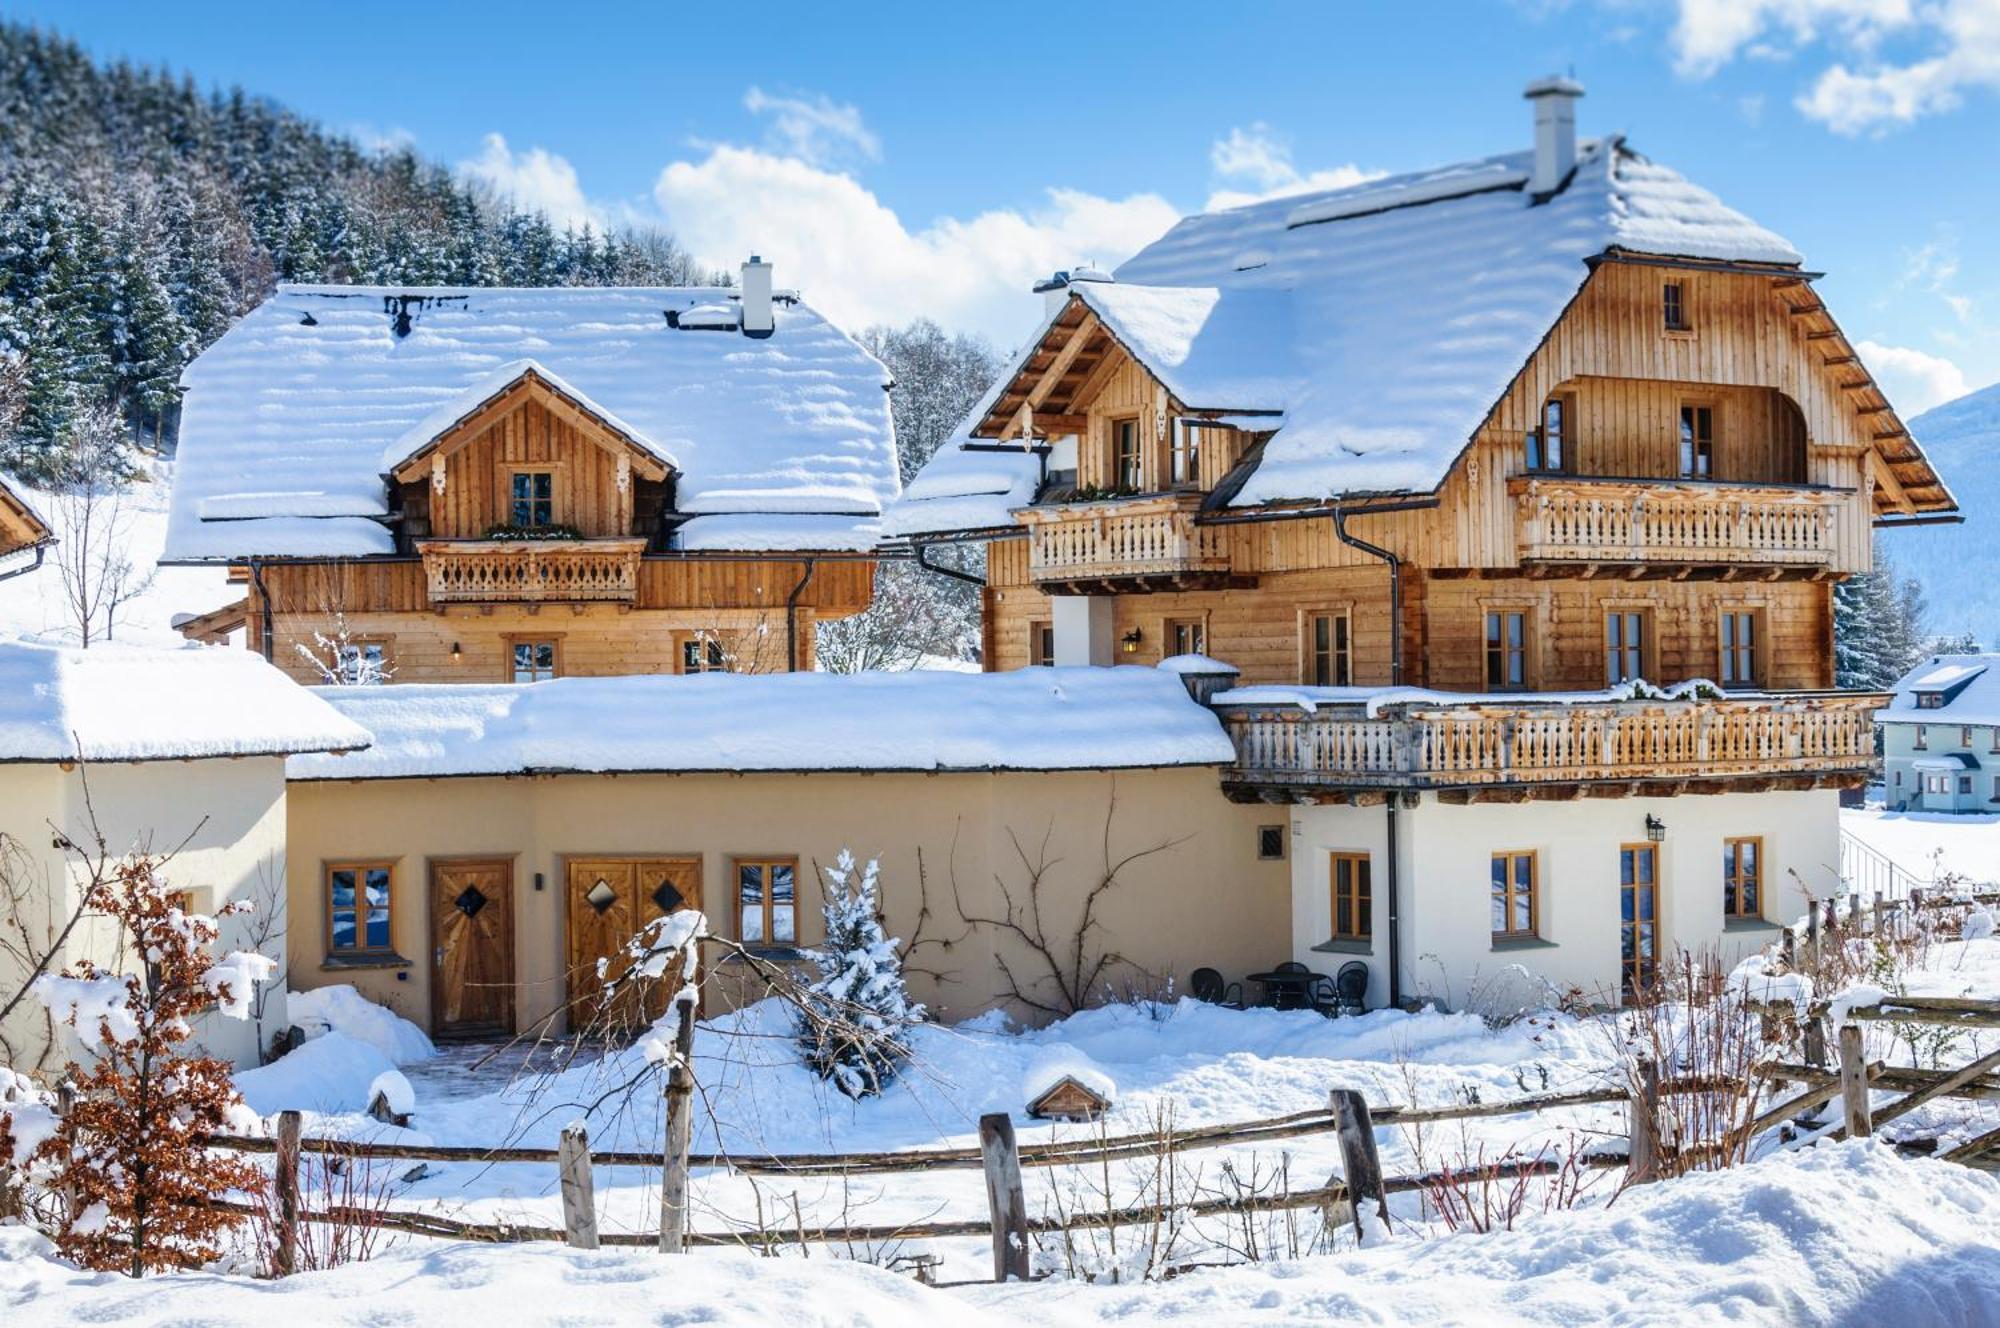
<point>123,703</point>
<point>291,418</point>
<point>1970,685</point>
<point>1382,321</point>
<point>1029,719</point>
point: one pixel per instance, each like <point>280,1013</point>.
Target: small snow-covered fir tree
<point>858,1009</point>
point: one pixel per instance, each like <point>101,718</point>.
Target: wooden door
<point>472,947</point>
<point>1639,916</point>
<point>608,901</point>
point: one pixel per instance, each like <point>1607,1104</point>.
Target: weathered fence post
<point>680,1130</point>
<point>1642,1161</point>
<point>579,1199</point>
<point>1812,934</point>
<point>285,1261</point>
<point>1854,912</point>
<point>1788,948</point>
<point>1881,907</point>
<point>1005,1198</point>
<point>1815,1040</point>
<point>1360,1163</point>
<point>1854,1083</point>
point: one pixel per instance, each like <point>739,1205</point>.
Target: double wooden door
<point>472,947</point>
<point>608,901</point>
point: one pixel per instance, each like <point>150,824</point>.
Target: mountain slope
<point>1957,565</point>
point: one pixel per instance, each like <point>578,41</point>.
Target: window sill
<point>1749,924</point>
<point>348,963</point>
<point>1345,947</point>
<point>1522,943</point>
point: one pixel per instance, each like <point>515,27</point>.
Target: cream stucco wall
<point>223,822</point>
<point>1205,898</point>
<point>1445,851</point>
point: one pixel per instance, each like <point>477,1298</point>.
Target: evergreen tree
<point>1878,626</point>
<point>858,1009</point>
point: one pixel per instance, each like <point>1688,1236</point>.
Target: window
<point>1184,457</point>
<point>360,663</point>
<point>534,497</point>
<point>703,653</point>
<point>1697,442</point>
<point>1923,740</point>
<point>1673,307</point>
<point>1739,648</point>
<point>1506,649</point>
<point>1125,455</point>
<point>1996,788</point>
<point>1548,446</point>
<point>767,908</point>
<point>358,901</point>
<point>1353,910</point>
<point>1933,701</point>
<point>1965,736</point>
<point>1270,842</point>
<point>534,661</point>
<point>1965,784</point>
<point>1514,891</point>
<point>1624,646</point>
<point>1186,636</point>
<point>1937,784</point>
<point>1743,878</point>
<point>1042,644</point>
<point>1329,650</point>
<point>1996,740</point>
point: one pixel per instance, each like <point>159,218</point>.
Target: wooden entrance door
<point>1639,915</point>
<point>608,901</point>
<point>472,947</point>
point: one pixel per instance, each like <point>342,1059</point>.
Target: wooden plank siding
<point>585,475</point>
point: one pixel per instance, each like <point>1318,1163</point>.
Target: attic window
<point>1673,307</point>
<point>1930,700</point>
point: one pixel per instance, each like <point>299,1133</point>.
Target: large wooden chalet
<point>510,485</point>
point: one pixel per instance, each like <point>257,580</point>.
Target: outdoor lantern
<point>1656,829</point>
<point>1131,641</point>
<point>455,656</point>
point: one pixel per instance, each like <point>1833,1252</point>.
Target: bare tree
<point>97,573</point>
<point>342,659</point>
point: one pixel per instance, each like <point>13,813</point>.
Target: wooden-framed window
<point>1624,645</point>
<point>1506,649</point>
<point>1674,314</point>
<point>1742,647</point>
<point>534,659</point>
<point>1515,896</point>
<point>1127,470</point>
<point>1042,643</point>
<point>1549,445</point>
<point>767,905</point>
<point>1184,455</point>
<point>1329,649</point>
<point>1743,877</point>
<point>360,899</point>
<point>1697,442</point>
<point>1352,891</point>
<point>701,652</point>
<point>363,661</point>
<point>1639,914</point>
<point>1187,636</point>
<point>531,498</point>
<point>1922,741</point>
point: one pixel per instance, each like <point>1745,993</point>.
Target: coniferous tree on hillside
<point>1879,630</point>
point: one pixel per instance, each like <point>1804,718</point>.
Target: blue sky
<point>934,158</point>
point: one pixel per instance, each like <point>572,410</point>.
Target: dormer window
<point>1125,455</point>
<point>1184,456</point>
<point>534,498</point>
<point>1930,700</point>
<point>1673,307</point>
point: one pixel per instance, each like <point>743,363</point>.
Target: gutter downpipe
<point>792,616</point>
<point>264,645</point>
<point>923,560</point>
<point>1390,857</point>
<point>41,552</point>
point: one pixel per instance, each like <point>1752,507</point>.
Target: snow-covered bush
<point>855,1012</point>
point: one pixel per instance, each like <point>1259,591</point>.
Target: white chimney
<point>756,287</point>
<point>1555,131</point>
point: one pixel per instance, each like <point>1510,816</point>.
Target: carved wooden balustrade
<point>1134,541</point>
<point>1567,519</point>
<point>505,571</point>
<point>1436,743</point>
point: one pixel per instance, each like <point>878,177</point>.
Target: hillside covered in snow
<point>1954,562</point>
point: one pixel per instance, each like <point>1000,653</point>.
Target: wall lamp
<point>1131,641</point>
<point>456,654</point>
<point>1656,829</point>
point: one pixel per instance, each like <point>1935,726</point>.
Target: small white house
<point>176,752</point>
<point>1941,736</point>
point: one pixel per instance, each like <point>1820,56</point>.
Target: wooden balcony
<point>1567,523</point>
<point>1476,750</point>
<point>531,571</point>
<point>1125,545</point>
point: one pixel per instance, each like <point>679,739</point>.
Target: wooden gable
<point>590,425</point>
<point>20,528</point>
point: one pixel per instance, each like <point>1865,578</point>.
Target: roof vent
<point>1555,100</point>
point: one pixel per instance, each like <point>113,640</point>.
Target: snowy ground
<point>1931,844</point>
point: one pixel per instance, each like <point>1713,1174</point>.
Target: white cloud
<point>536,180</point>
<point>1259,165</point>
<point>814,128</point>
<point>1711,33</point>
<point>859,262</point>
<point>1913,380</point>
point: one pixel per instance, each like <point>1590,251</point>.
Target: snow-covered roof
<point>964,489</point>
<point>1029,719</point>
<point>125,703</point>
<point>16,510</point>
<point>292,418</point>
<point>1968,684</point>
<point>1377,325</point>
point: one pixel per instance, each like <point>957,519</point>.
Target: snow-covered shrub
<point>853,1015</point>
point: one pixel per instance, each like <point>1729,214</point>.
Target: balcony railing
<point>506,571</point>
<point>1115,541</point>
<point>1564,519</point>
<point>1434,744</point>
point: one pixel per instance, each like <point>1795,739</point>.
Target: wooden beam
<point>1885,477</point>
<point>1064,358</point>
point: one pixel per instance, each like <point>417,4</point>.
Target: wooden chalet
<point>24,535</point>
<point>510,485</point>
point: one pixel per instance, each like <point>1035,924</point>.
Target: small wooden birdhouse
<point>1068,1099</point>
